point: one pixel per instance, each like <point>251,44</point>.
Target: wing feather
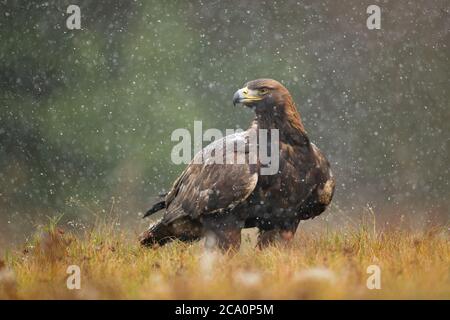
<point>207,187</point>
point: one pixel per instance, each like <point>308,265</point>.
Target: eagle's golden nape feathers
<point>219,200</point>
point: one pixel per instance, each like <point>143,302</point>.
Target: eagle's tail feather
<point>158,235</point>
<point>155,208</point>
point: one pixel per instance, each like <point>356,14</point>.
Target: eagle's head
<point>262,95</point>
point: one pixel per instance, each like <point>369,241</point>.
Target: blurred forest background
<point>86,115</point>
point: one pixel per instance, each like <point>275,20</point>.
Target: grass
<point>324,264</point>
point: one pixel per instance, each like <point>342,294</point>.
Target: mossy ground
<point>326,264</point>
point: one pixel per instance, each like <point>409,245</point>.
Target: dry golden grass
<point>317,265</point>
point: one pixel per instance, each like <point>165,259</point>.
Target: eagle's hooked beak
<point>245,96</point>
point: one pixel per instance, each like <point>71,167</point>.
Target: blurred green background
<point>86,115</point>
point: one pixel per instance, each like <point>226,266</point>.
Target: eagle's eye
<point>263,91</point>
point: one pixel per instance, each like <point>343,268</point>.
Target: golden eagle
<point>220,199</point>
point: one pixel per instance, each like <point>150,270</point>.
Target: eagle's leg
<point>224,239</point>
<point>267,237</point>
<point>229,239</point>
<point>223,231</point>
<point>279,235</point>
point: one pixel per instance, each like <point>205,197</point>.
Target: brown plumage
<point>221,199</point>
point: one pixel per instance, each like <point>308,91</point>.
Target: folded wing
<point>219,177</point>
